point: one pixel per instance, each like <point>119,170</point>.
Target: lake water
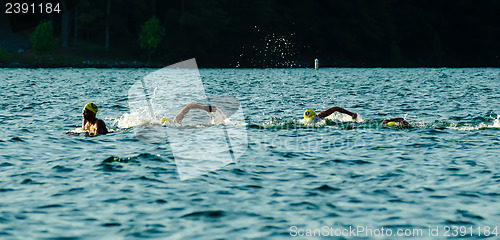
<point>292,178</point>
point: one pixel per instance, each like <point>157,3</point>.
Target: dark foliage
<point>279,33</point>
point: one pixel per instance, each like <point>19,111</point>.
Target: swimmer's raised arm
<point>185,110</point>
<point>331,110</point>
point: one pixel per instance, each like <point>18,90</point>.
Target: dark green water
<point>445,171</point>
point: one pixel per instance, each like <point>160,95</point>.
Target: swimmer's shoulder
<point>101,127</point>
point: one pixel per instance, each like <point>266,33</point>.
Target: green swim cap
<point>309,114</point>
<point>91,107</point>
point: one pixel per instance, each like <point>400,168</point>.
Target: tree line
<point>279,33</point>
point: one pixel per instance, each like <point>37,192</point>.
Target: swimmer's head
<point>91,107</point>
<point>165,120</point>
<point>309,114</point>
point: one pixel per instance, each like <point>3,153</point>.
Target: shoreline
<point>158,65</point>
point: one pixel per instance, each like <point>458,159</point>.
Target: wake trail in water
<point>343,121</point>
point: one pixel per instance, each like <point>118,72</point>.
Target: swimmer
<point>185,110</point>
<point>396,121</point>
<point>311,115</point>
<point>91,124</point>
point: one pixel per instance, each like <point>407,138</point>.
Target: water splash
<point>273,50</point>
<point>76,131</point>
<point>496,122</point>
<point>341,117</point>
<point>332,120</point>
<point>139,117</point>
<point>218,117</point>
<point>142,118</point>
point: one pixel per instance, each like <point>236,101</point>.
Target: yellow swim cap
<point>391,124</point>
<point>163,120</point>
<point>309,114</point>
<point>91,107</point>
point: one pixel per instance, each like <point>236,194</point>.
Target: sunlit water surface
<point>443,171</point>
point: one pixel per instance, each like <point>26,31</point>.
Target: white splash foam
<point>77,131</point>
<point>134,119</point>
<point>468,127</point>
<point>312,122</point>
<point>341,117</point>
<point>143,118</point>
<point>496,122</point>
<point>218,117</point>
